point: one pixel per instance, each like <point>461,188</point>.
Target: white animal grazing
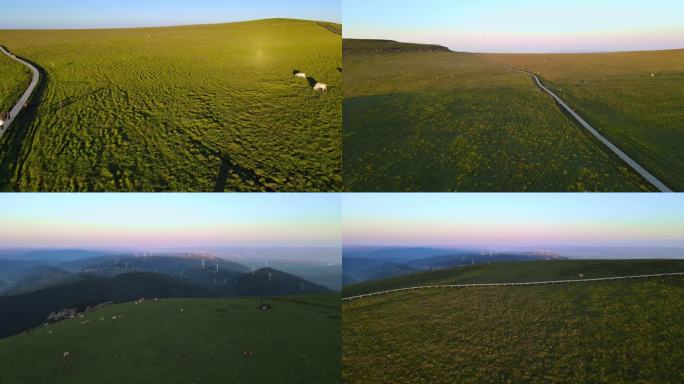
<point>320,87</point>
<point>301,74</point>
<point>65,355</point>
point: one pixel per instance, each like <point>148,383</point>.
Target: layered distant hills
<point>32,289</point>
<point>365,264</point>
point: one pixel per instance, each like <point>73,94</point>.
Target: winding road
<point>630,162</point>
<point>27,94</point>
<point>511,284</point>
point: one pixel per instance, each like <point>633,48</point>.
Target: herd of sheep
<point>318,87</point>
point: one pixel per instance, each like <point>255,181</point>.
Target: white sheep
<point>65,355</point>
<point>320,87</point>
<point>301,74</point>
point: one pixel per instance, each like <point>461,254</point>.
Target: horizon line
<point>171,25</point>
<point>570,52</point>
<point>507,246</point>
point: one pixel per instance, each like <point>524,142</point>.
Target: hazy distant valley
<point>37,283</point>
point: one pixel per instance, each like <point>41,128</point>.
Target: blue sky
<point>513,220</point>
<point>521,25</point>
<point>159,221</point>
<point>51,14</point>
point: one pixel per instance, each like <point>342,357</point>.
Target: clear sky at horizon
<point>50,14</point>
<point>521,25</point>
<point>160,221</point>
<point>502,220</point>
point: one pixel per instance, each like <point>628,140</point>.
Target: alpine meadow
<point>13,80</point>
<point>191,108</point>
<point>597,332</point>
<point>452,121</point>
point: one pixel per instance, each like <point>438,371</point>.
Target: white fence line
<point>510,284</point>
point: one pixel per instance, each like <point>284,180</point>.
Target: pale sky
<point>521,25</point>
<point>504,220</point>
<point>54,14</point>
<point>161,221</point>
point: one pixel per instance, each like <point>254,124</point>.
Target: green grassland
<point>521,272</point>
<point>14,78</point>
<point>625,331</point>
<point>193,108</point>
<point>297,341</point>
<point>444,121</point>
<point>616,93</point>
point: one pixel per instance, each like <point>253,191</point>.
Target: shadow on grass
<point>247,176</point>
<point>312,81</point>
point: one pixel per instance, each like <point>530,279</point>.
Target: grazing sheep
<point>301,74</point>
<point>181,309</point>
<point>113,317</point>
<point>652,74</point>
<point>84,322</point>
<point>65,355</point>
<point>321,87</point>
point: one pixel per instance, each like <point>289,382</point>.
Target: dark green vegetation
<point>33,293</point>
<point>632,98</point>
<point>445,121</point>
<point>519,272</point>
<point>598,332</point>
<point>196,108</point>
<point>14,78</point>
<point>296,341</point>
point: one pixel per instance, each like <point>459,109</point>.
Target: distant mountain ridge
<point>366,264</point>
<point>38,290</point>
<point>370,46</point>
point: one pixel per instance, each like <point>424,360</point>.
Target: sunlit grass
<point>633,98</point>
<point>199,108</point>
<point>456,122</point>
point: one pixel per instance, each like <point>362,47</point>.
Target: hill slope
<point>633,98</point>
<point>445,121</point>
<point>514,272</point>
<point>297,341</point>
<point>20,312</point>
<point>600,332</point>
<point>192,108</point>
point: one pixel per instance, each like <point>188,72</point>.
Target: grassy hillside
<point>297,341</point>
<point>195,108</point>
<point>443,121</point>
<point>615,92</point>
<point>602,332</point>
<point>27,310</point>
<point>14,78</point>
<point>517,272</point>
